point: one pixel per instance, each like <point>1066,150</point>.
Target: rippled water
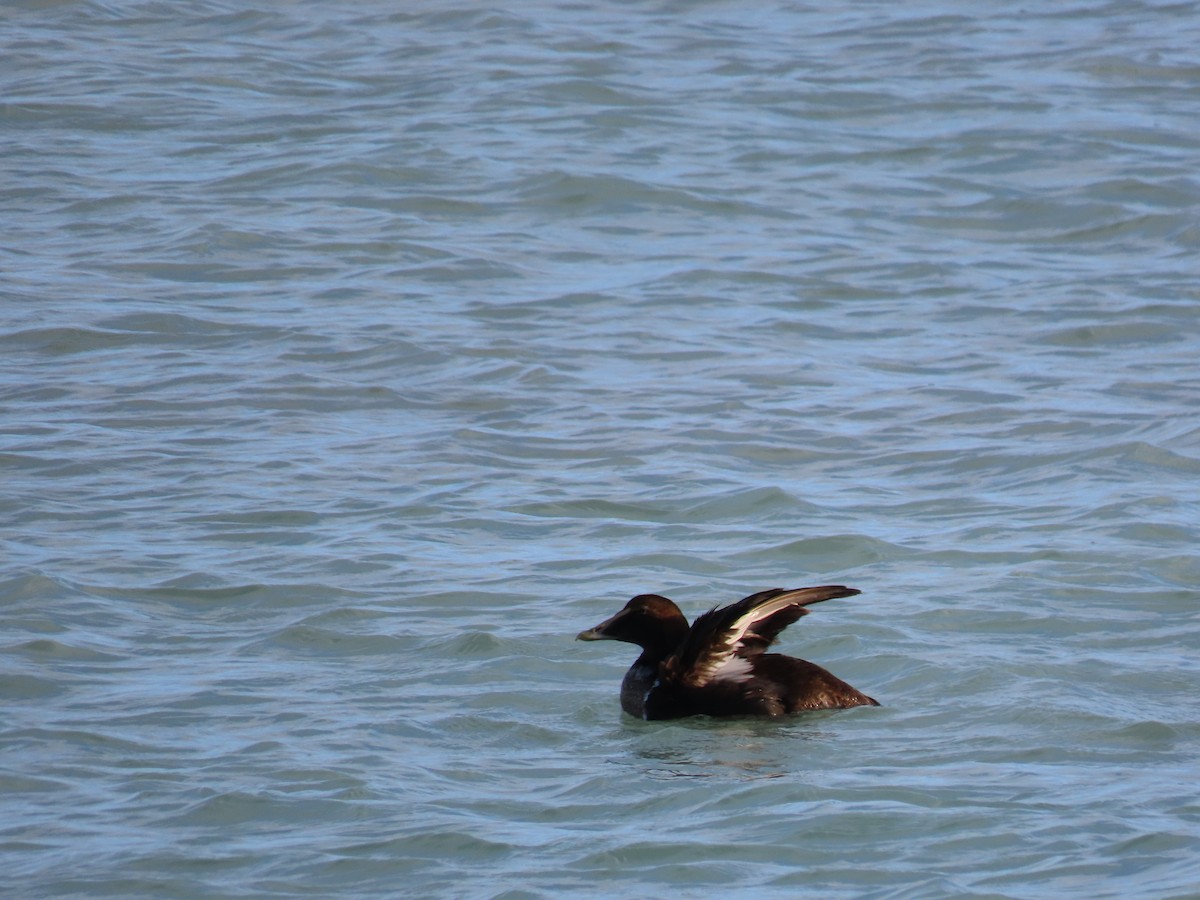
<point>355,357</point>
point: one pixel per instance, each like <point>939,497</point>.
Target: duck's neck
<point>643,674</point>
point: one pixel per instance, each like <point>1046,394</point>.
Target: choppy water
<point>353,357</point>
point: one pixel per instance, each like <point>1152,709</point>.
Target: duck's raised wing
<point>721,642</point>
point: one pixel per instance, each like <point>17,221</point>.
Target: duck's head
<point>648,620</point>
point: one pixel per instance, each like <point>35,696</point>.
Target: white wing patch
<point>742,625</point>
<point>733,668</point>
<point>725,664</point>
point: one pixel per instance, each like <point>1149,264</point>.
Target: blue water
<point>353,358</point>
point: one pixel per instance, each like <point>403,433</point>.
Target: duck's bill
<point>600,632</point>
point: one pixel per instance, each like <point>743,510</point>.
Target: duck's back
<point>801,685</point>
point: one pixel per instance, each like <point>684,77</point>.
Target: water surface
<point>353,359</point>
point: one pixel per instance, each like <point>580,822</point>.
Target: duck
<point>718,665</point>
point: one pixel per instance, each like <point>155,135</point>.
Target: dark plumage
<point>718,666</point>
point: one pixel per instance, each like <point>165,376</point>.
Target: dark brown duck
<point>718,667</point>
